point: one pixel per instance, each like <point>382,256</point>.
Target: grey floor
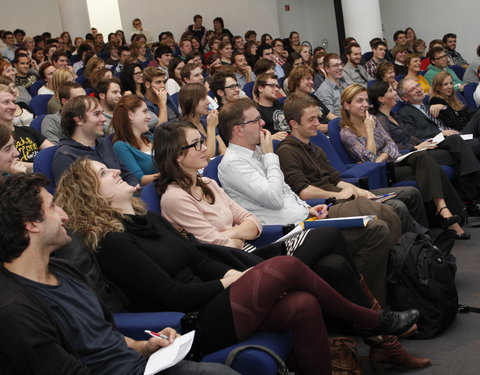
<point>457,350</point>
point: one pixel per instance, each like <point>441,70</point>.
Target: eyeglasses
<point>233,86</point>
<point>414,88</point>
<point>272,85</point>
<point>197,145</point>
<point>256,120</point>
<point>137,73</point>
<point>339,65</point>
<point>441,57</point>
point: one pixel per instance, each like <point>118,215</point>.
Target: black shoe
<point>463,236</point>
<point>392,323</point>
<point>445,222</point>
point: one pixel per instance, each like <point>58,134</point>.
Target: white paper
<point>438,138</point>
<point>292,233</point>
<point>170,355</point>
<point>466,137</point>
<point>400,158</point>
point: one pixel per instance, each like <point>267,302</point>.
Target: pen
<point>328,206</point>
<point>155,334</point>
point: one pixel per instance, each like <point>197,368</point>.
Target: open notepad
<point>340,222</point>
<point>170,355</point>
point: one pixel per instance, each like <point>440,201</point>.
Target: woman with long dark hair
<point>194,104</point>
<point>132,140</point>
<point>131,79</point>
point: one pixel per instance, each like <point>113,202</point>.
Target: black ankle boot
<point>391,323</point>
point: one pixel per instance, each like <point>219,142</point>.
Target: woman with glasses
<point>366,140</point>
<point>131,80</point>
<point>132,140</point>
<point>196,109</point>
<point>159,270</point>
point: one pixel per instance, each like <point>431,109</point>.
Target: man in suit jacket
<point>421,120</point>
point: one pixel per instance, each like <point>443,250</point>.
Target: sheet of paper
<point>438,138</point>
<point>170,355</point>
<point>400,158</point>
<point>466,137</point>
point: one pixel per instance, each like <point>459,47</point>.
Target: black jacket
<point>32,340</point>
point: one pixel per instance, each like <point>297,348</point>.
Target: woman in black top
<point>159,270</point>
<point>454,114</point>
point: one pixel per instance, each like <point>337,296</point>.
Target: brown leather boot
<point>375,305</point>
<point>388,350</point>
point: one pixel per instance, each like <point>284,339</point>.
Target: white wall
<point>314,20</point>
<point>238,15</point>
<point>431,19</point>
<point>33,16</point>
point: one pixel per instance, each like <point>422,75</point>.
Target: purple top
<point>357,146</point>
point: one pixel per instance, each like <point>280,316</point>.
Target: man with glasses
<point>266,90</point>
<point>421,120</point>
<point>250,174</point>
<point>439,62</point>
<point>279,53</point>
<point>330,90</point>
<point>225,87</point>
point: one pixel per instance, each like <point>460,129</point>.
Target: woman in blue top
<point>131,140</point>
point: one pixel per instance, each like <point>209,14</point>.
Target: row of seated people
<point>90,120</point>
<point>85,122</point>
<point>226,298</point>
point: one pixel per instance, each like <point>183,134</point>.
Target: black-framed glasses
<point>233,86</point>
<point>197,145</point>
<point>257,120</point>
<point>272,85</point>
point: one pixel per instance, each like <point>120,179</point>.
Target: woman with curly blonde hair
<point>159,270</point>
<point>90,213</point>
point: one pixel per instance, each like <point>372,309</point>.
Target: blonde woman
<point>59,77</point>
<point>454,113</point>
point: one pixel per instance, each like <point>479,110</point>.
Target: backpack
<point>421,275</point>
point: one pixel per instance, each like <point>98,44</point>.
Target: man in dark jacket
<point>51,321</point>
<point>83,123</point>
